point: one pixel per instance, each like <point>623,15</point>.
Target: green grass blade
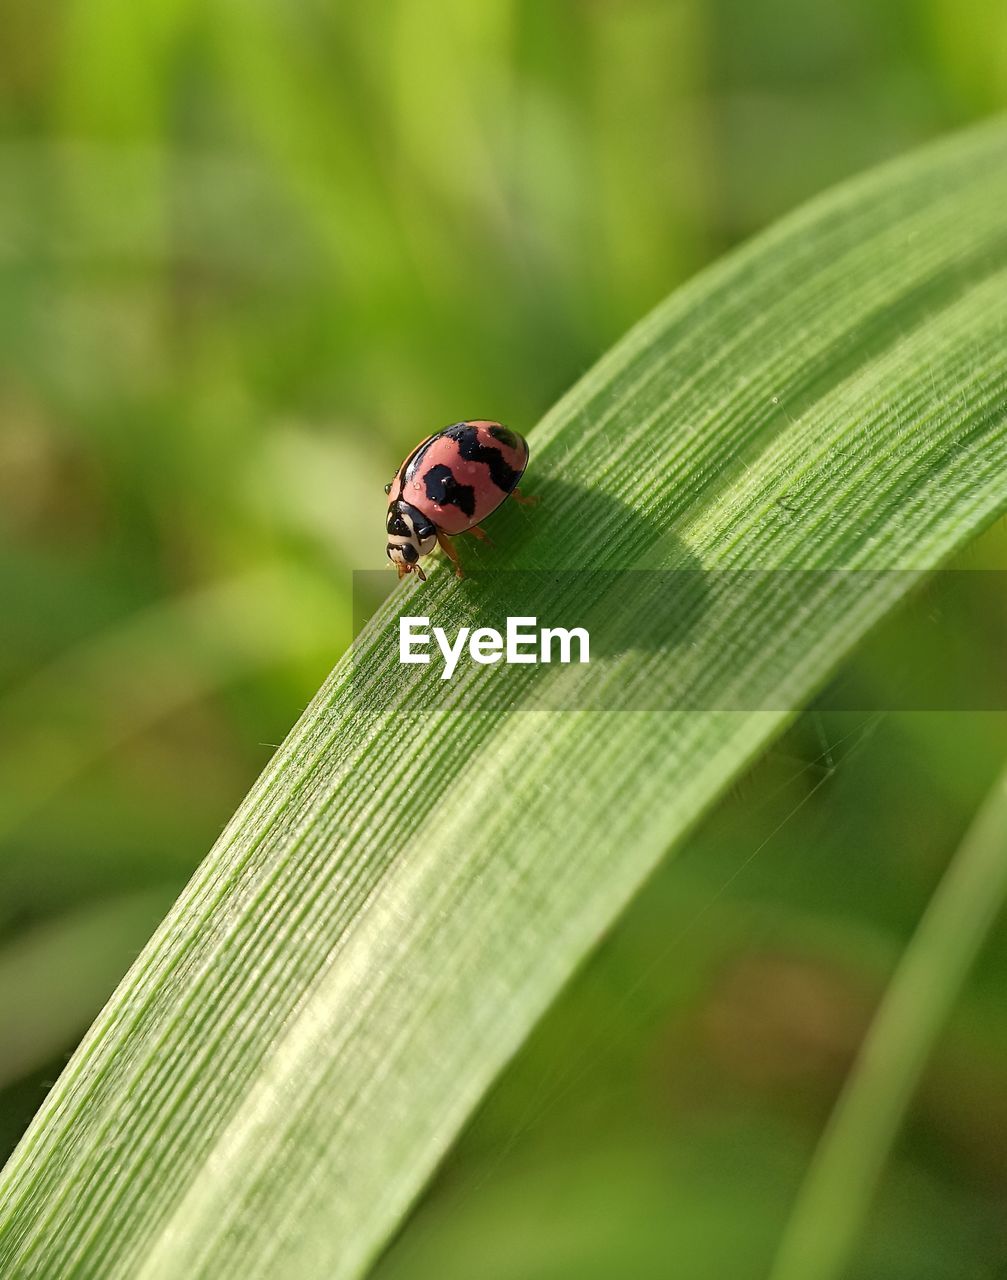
<point>833,1203</point>
<point>409,884</point>
<point>54,976</point>
<point>126,680</point>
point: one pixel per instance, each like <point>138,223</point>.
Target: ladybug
<point>450,482</point>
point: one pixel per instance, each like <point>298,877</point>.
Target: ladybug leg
<point>524,499</point>
<point>480,533</point>
<point>448,547</point>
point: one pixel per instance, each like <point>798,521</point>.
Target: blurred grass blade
<point>833,1203</point>
<point>54,976</point>
<point>129,677</point>
<point>410,883</point>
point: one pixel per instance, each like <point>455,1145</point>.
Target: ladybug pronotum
<point>447,485</point>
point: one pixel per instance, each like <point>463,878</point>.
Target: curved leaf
<point>412,879</point>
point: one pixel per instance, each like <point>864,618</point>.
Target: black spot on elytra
<point>442,488</point>
<point>505,436</point>
<point>502,473</point>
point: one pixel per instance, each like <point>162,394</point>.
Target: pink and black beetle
<point>450,482</point>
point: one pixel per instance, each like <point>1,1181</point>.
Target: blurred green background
<point>251,251</point>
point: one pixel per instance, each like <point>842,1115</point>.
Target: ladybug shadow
<point>580,558</point>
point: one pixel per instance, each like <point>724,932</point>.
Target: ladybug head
<point>410,536</point>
